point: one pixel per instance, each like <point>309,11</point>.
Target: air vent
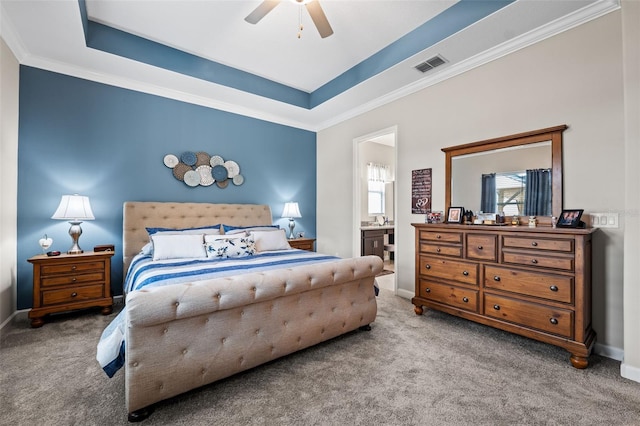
<point>430,64</point>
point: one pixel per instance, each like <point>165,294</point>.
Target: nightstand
<point>302,243</point>
<point>70,281</point>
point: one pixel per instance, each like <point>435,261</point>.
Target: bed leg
<point>365,328</point>
<point>140,415</point>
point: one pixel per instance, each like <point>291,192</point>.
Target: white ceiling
<point>49,34</point>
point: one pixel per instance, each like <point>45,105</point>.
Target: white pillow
<point>228,230</point>
<point>270,240</point>
<point>178,246</point>
<point>225,248</point>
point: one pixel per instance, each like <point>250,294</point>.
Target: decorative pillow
<point>210,229</point>
<point>178,246</point>
<point>230,247</point>
<point>147,249</point>
<point>229,230</point>
<point>270,240</point>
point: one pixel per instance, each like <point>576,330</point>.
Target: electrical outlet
<point>604,220</point>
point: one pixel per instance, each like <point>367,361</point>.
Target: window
<point>510,188</point>
<point>376,178</point>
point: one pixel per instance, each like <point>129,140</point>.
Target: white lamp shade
<point>74,208</point>
<point>291,210</point>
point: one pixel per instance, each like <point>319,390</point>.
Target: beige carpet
<point>408,370</point>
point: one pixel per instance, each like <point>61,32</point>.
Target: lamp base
<point>75,231</point>
<point>292,224</point>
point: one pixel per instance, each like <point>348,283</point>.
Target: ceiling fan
<point>313,6</point>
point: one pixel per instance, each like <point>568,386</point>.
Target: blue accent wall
<point>108,143</point>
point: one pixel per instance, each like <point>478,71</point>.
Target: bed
<point>180,335</point>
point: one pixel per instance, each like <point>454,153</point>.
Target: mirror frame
<point>553,134</point>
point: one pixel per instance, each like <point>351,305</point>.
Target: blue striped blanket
<point>144,272</point>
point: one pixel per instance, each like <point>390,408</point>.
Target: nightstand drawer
<point>68,268</point>
<point>75,294</point>
<point>72,279</point>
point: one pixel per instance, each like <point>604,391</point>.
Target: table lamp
<point>74,209</point>
<point>291,211</point>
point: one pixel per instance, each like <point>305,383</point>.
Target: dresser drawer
<point>457,270</point>
<point>534,243</point>
<point>443,237</point>
<point>72,279</point>
<point>441,250</point>
<point>68,268</point>
<point>482,247</point>
<point>75,294</point>
<point>536,260</point>
<point>531,315</point>
<point>450,295</point>
<point>553,287</point>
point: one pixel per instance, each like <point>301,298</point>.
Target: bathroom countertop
<point>372,227</point>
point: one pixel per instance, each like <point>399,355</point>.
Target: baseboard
<point>608,351</point>
<point>629,372</point>
<point>405,294</point>
<point>117,300</point>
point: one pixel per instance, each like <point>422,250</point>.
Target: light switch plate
<point>604,220</point>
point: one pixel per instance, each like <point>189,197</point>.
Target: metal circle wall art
<point>202,169</point>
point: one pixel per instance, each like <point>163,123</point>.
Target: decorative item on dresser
<point>291,211</point>
<point>75,209</point>
<point>303,243</point>
<point>68,282</point>
<point>535,282</point>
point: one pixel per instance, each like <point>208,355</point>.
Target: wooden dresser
<point>535,282</point>
<point>70,281</point>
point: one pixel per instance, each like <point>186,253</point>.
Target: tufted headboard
<point>137,215</point>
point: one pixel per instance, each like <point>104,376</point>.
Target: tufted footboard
<point>184,336</point>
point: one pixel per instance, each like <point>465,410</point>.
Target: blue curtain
<point>537,196</point>
<point>488,202</point>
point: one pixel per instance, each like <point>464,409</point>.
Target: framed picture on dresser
<point>454,214</point>
<point>570,218</point>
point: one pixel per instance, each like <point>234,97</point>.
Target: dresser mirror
<point>492,174</point>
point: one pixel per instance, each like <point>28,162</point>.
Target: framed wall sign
<point>421,191</point>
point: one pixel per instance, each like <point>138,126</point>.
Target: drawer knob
<point>534,244</point>
<point>74,294</point>
<point>479,247</point>
<point>465,273</point>
<point>534,261</point>
<point>427,266</point>
<point>438,250</point>
<point>74,279</point>
<point>496,278</point>
<point>438,236</point>
<point>553,321</point>
<point>427,290</point>
<point>553,288</point>
<point>73,268</point>
<point>496,307</point>
<point>465,299</point>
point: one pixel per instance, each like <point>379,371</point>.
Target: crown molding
<point>10,36</point>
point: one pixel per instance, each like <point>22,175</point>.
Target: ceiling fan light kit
<point>313,7</point>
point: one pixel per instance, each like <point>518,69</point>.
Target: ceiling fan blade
<point>319,18</point>
<point>260,12</point>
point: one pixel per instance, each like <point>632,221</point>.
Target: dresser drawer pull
<point>427,266</point>
<point>534,244</point>
<point>553,288</point>
<point>465,299</point>
<point>427,290</point>
<point>74,267</point>
<point>553,321</point>
<point>438,236</point>
<point>74,279</point>
<point>534,261</point>
<point>465,273</point>
<point>479,247</point>
<point>496,278</point>
<point>496,307</point>
<point>438,250</point>
<point>74,294</point>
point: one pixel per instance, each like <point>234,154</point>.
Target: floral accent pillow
<point>230,247</point>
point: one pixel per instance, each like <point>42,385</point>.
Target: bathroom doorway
<point>374,208</point>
